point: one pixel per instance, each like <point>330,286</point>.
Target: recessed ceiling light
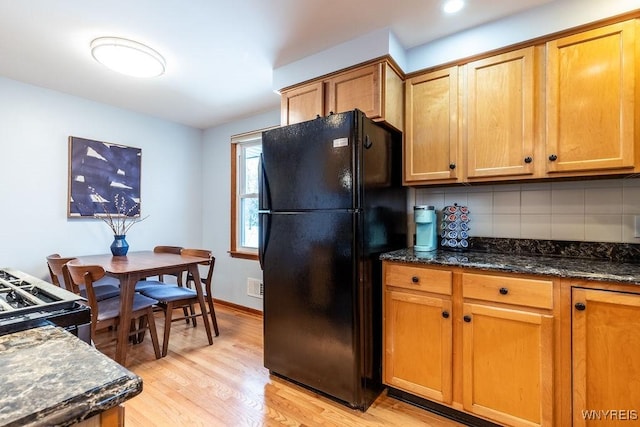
<point>128,57</point>
<point>452,6</point>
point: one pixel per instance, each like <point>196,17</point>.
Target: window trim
<point>236,141</point>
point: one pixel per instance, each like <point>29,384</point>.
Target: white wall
<point>361,49</point>
<point>230,273</point>
<point>35,124</point>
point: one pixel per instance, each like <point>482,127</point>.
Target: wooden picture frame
<point>101,173</point>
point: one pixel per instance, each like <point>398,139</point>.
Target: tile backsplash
<point>594,210</point>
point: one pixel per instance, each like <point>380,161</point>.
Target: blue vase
<point>119,247</point>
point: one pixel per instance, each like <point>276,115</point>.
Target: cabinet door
<point>418,345</point>
<point>431,127</point>
<point>507,365</point>
<point>302,103</point>
<point>360,88</point>
<point>606,358</point>
<point>591,99</point>
<point>500,115</point>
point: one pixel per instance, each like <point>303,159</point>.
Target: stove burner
<point>12,296</point>
<point>6,276</point>
<point>16,300</point>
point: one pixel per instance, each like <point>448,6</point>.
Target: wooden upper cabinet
<point>360,88</point>
<point>431,127</point>
<point>591,100</point>
<point>500,114</point>
<point>375,89</point>
<point>302,103</point>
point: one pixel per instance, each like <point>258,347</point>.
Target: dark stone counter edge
<point>572,268</point>
<point>81,407</point>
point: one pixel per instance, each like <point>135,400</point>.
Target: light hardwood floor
<point>226,384</point>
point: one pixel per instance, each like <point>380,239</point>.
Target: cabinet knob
<point>528,159</point>
<point>415,279</point>
<point>467,318</point>
<point>452,166</point>
<point>580,306</point>
<point>504,291</point>
<point>445,314</point>
<point>553,157</point>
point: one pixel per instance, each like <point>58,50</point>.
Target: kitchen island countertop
<point>50,377</point>
<point>574,268</point>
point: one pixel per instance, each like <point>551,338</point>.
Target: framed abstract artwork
<point>104,178</point>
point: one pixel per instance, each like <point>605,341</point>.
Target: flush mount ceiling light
<point>127,57</point>
<point>452,6</point>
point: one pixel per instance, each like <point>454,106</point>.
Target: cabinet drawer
<point>418,278</point>
<point>509,290</point>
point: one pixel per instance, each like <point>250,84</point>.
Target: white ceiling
<point>220,53</point>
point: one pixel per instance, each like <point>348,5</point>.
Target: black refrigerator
<point>331,201</point>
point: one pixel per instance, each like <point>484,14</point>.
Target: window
<point>245,158</point>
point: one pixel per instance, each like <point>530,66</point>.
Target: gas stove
<point>21,293</point>
<point>26,301</point>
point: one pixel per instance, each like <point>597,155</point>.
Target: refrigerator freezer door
<point>310,165</point>
<point>310,300</point>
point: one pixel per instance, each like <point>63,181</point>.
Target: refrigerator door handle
<point>263,187</point>
<point>263,226</point>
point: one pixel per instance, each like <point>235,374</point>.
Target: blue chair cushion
<point>144,285</point>
<point>110,308</point>
<point>107,280</point>
<point>105,288</point>
<point>166,294</point>
<point>102,291</point>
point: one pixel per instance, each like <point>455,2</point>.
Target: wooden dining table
<point>135,266</point>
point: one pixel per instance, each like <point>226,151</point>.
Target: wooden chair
<point>106,313</point>
<point>54,264</point>
<point>169,250</point>
<point>174,297</point>
<point>206,281</point>
<point>107,287</point>
<point>147,284</point>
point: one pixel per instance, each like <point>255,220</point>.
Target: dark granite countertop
<point>50,377</point>
<point>576,268</point>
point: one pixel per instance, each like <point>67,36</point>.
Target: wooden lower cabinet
<point>473,341</point>
<point>418,344</point>
<point>507,365</point>
<point>605,358</point>
<point>514,349</point>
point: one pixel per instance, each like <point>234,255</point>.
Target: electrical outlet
<point>255,288</point>
<point>636,228</point>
